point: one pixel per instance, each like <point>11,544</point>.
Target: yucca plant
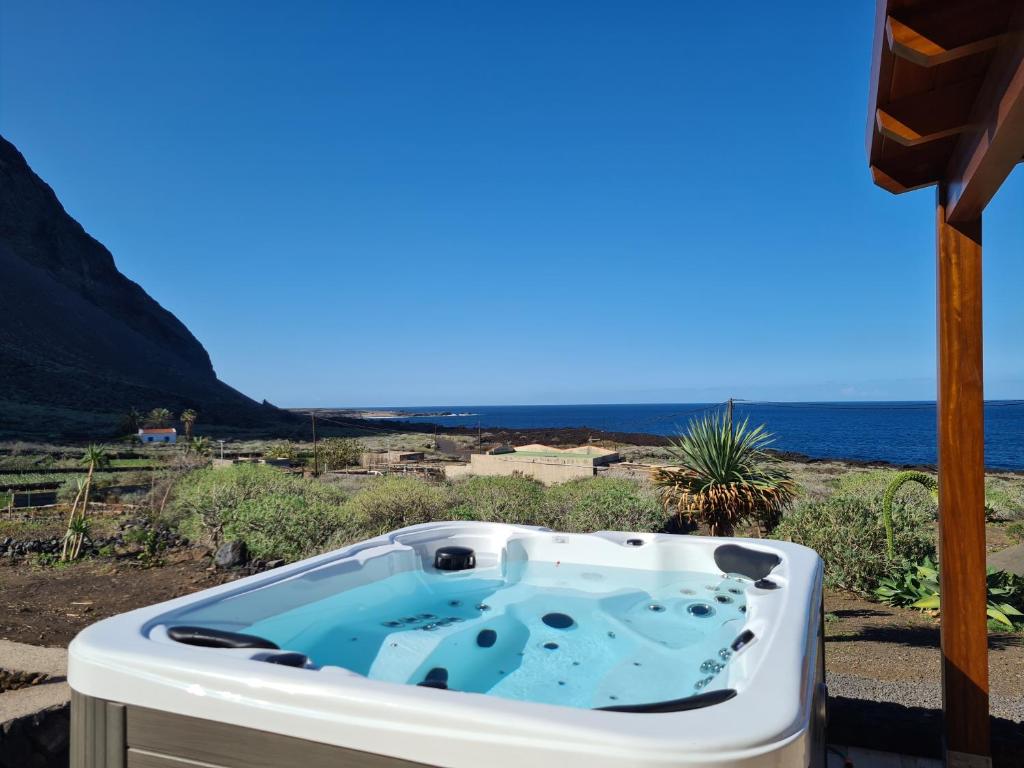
<point>95,456</point>
<point>724,476</point>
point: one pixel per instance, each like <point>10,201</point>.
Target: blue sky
<point>411,203</point>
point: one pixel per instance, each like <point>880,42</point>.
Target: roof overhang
<point>946,101</point>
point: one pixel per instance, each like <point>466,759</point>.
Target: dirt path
<point>50,605</point>
<point>875,641</point>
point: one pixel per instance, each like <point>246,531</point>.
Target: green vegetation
<point>78,523</point>
<point>284,515</point>
<point>848,533</point>
<point>200,446</point>
<point>338,453</point>
<point>392,502</point>
<point>275,513</point>
<point>603,504</point>
<point>1016,532</point>
<point>901,479</point>
<point>159,418</point>
<point>917,586</point>
<point>723,476</point>
<point>874,532</point>
<point>188,419</point>
<point>130,422</point>
<point>283,449</point>
<point>514,499</point>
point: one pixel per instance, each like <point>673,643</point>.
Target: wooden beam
<point>984,158</point>
<point>909,44</point>
<point>961,442</point>
<point>929,116</point>
<point>881,74</point>
<point>896,186</point>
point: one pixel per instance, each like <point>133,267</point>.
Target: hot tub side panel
<point>106,734</point>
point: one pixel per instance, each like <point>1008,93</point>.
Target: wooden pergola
<point>946,107</point>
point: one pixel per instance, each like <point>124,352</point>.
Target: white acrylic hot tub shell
<point>768,723</point>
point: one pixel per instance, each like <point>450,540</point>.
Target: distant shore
<point>359,413</point>
<point>564,436</point>
<point>862,434</point>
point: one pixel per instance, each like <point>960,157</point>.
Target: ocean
<point>897,432</point>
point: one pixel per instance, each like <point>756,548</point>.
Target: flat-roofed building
<point>542,462</point>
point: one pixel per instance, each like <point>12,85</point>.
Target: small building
<point>384,458</point>
<point>541,462</point>
<point>158,435</point>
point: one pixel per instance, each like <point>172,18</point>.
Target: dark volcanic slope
<point>79,342</point>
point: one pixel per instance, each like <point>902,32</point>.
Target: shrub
<point>849,535</point>
<point>282,449</point>
<point>289,525</point>
<point>337,453</point>
<point>918,587</point>
<point>276,514</point>
<point>1016,532</point>
<point>392,502</point>
<point>603,504</point>
<point>898,481</point>
<point>513,499</point>
<point>863,483</point>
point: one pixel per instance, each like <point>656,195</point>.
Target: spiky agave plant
<point>723,476</point>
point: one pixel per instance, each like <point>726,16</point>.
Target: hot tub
<point>467,645</point>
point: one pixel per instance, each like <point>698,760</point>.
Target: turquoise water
<point>561,634</point>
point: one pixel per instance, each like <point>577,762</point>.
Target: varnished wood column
<point>962,492</point>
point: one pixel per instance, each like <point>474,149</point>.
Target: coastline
<point>572,436</point>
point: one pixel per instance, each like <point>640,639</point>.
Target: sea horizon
<point>894,431</point>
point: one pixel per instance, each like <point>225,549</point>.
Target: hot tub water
<point>573,635</point>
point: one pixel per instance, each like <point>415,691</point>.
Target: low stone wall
<point>38,740</point>
<point>18,548</point>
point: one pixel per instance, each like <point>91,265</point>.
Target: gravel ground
<point>914,693</point>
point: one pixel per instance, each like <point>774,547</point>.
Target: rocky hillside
<point>80,343</point>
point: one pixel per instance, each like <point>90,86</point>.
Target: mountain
<point>80,343</point>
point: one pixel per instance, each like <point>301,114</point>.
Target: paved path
<point>18,657</point>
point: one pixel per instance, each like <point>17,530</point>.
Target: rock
<point>272,564</point>
<point>231,554</point>
<point>1011,559</point>
<point>83,327</point>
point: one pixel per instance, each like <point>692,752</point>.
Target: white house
<point>161,435</point>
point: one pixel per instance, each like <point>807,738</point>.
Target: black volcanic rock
<point>80,343</point>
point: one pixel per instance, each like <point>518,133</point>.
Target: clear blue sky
<point>404,203</point>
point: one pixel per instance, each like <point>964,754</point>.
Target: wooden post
<point>961,447</point>
<point>316,469</point>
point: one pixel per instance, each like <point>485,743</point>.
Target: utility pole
<point>221,449</point>
<point>316,465</point>
<point>479,440</point>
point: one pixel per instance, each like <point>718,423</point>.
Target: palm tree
<point>94,456</point>
<point>130,422</point>
<point>159,417</point>
<point>188,418</point>
<point>723,476</point>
